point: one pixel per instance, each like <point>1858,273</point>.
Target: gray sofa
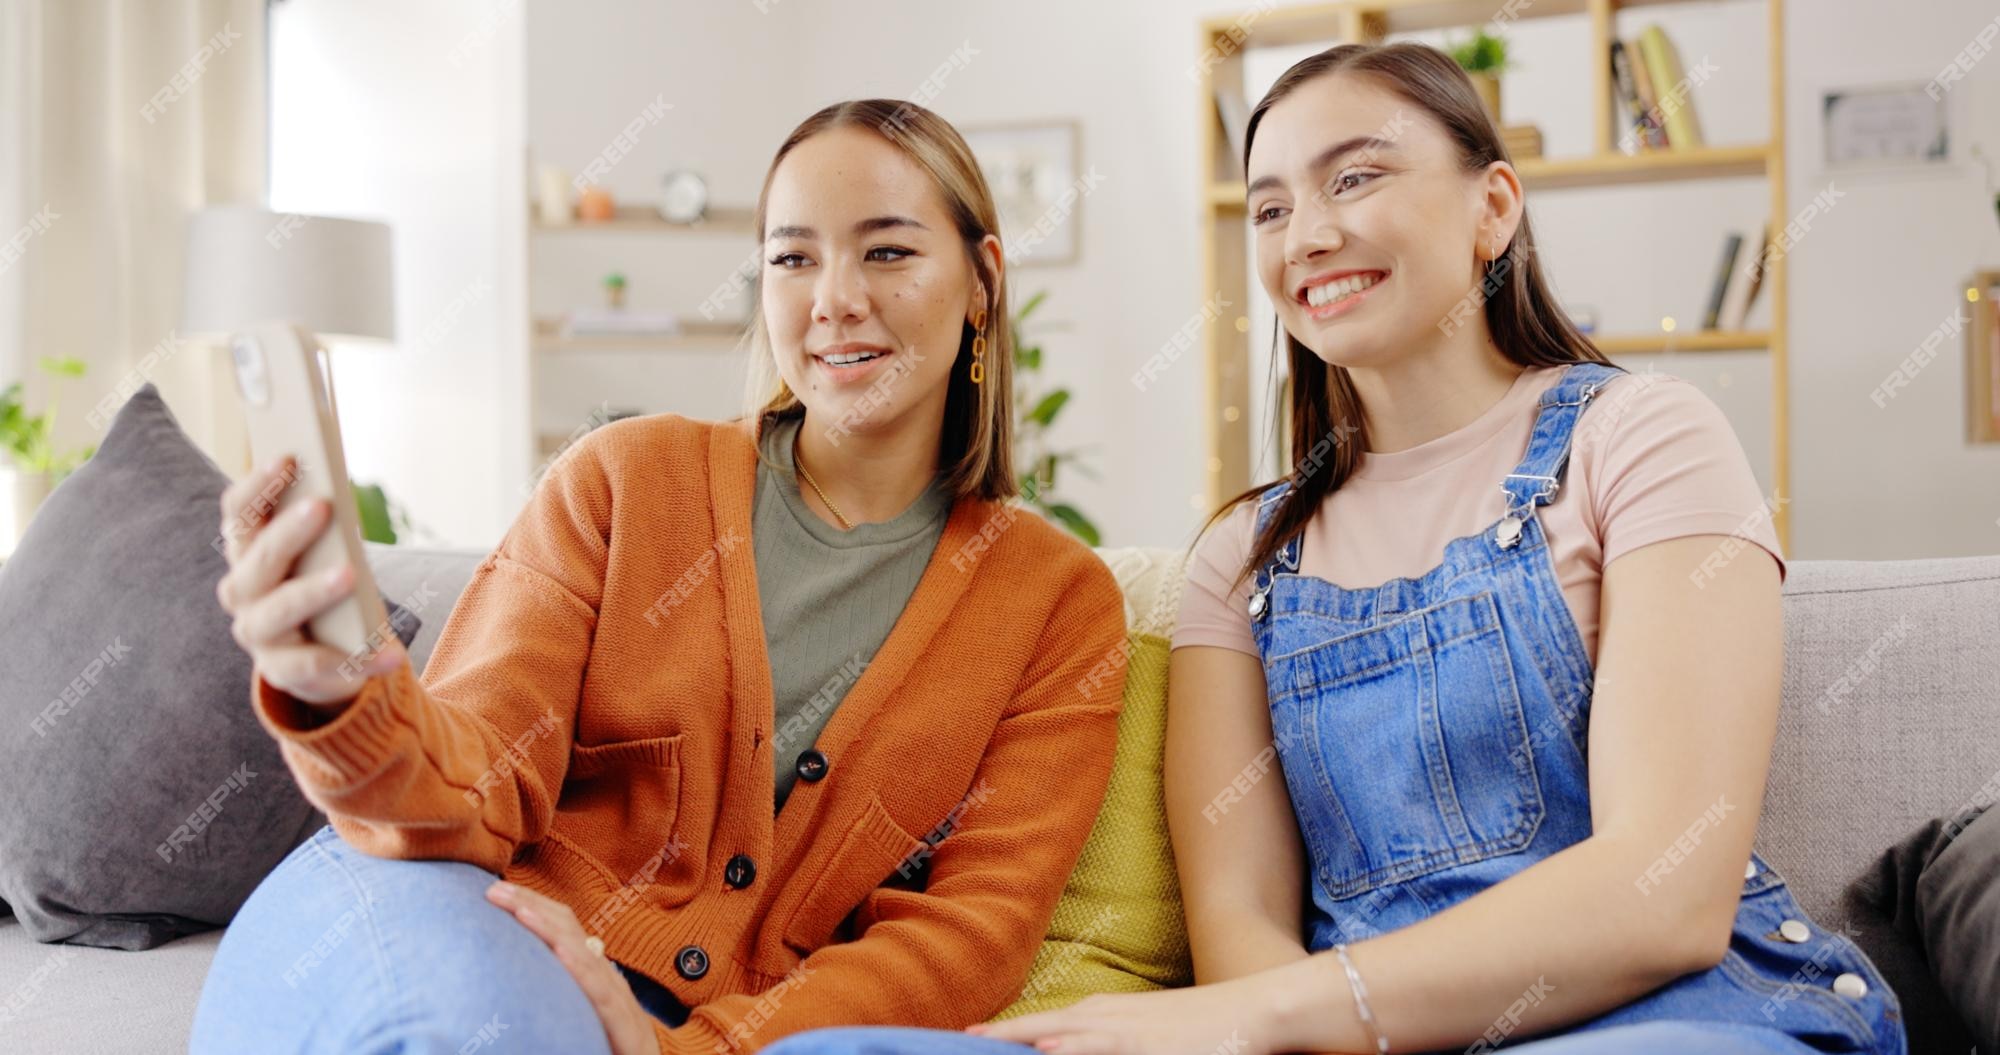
<point>1891,718</point>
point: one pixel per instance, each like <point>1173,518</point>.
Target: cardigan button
<point>811,766</point>
<point>691,962</point>
<point>740,872</point>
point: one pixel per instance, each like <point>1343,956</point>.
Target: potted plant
<point>34,465</point>
<point>1484,59</point>
<point>614,290</point>
<point>1034,459</point>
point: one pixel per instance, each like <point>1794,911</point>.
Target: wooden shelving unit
<point>1225,268</point>
<point>548,343</point>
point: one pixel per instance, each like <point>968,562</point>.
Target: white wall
<point>1886,267</point>
<point>412,114</point>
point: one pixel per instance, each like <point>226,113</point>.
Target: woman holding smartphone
<point>676,709</point>
<point>1512,626</point>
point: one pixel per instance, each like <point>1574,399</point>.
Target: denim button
<point>1794,931</point>
<point>691,962</point>
<point>1850,986</point>
<point>1750,870</point>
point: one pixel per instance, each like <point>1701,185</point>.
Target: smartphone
<point>288,406</point>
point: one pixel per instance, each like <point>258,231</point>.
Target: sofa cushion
<point>1118,927</point>
<point>139,798</point>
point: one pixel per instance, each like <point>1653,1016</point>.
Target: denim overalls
<point>1432,732</point>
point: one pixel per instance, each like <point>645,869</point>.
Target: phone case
<point>288,408</point>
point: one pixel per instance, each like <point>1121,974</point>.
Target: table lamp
<point>247,266</point>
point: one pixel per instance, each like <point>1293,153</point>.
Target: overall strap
<point>1287,556</point>
<point>1536,479</point>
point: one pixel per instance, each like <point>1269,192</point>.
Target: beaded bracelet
<point>1361,1008</point>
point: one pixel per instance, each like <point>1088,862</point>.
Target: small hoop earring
<point>979,347</point>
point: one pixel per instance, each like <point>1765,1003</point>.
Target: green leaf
<point>1482,53</point>
<point>65,366</point>
<point>1028,309</point>
<point>1050,405</point>
<point>1028,357</point>
<point>374,507</point>
<point>1078,524</point>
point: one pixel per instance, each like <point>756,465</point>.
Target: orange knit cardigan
<point>595,724</point>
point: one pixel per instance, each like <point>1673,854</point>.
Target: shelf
<point>1314,23</point>
<point>1657,167</point>
<point>1609,170</point>
<point>548,336</point>
<point>632,219</point>
<point>1669,343</point>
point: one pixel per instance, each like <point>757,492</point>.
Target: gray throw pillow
<point>1940,887</point>
<point>1959,899</point>
<point>139,798</point>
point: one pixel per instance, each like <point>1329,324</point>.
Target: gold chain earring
<point>979,347</point>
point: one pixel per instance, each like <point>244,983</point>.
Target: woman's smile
<point>1338,292</point>
<point>852,362</point>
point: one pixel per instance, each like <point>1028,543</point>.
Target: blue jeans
<point>1650,1038</point>
<point>338,951</point>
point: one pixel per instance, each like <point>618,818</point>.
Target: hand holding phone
<point>305,605</point>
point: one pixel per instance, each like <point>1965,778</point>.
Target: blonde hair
<point>975,444</point>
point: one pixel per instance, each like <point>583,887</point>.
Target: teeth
<point>851,358</point>
<point>1332,291</point>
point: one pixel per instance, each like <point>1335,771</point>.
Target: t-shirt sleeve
<point>1665,464</point>
<point>1213,603</point>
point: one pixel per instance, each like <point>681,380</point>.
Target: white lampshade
<point>248,265</point>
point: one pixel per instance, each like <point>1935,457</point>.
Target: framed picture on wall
<point>1982,359</point>
<point>1884,126</point>
<point>1038,186</point>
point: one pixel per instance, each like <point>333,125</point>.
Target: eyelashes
<point>881,254</point>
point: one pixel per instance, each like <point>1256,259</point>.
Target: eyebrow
<point>873,223</point>
<point>1327,157</point>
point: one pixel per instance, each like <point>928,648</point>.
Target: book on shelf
<point>1638,129</point>
<point>1746,280</point>
<point>1720,287</point>
<point>1673,95</point>
<point>1649,103</point>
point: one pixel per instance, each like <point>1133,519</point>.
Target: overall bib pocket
<point>1406,748</point>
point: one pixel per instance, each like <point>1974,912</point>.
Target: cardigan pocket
<point>871,852</point>
<point>634,789</point>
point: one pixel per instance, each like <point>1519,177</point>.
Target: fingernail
<point>502,888</point>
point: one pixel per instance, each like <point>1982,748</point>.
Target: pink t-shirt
<point>1652,459</point>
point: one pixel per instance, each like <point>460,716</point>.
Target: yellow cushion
<point>1118,927</point>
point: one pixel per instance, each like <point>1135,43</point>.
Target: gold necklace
<point>845,524</point>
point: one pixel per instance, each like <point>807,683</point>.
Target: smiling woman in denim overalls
<point>1522,754</point>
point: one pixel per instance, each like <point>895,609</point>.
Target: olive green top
<point>829,597</point>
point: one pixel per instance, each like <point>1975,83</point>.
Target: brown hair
<point>975,444</point>
<point>1528,325</point>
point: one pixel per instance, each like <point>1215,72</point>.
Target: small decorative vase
<point>595,205</point>
<point>1488,85</point>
